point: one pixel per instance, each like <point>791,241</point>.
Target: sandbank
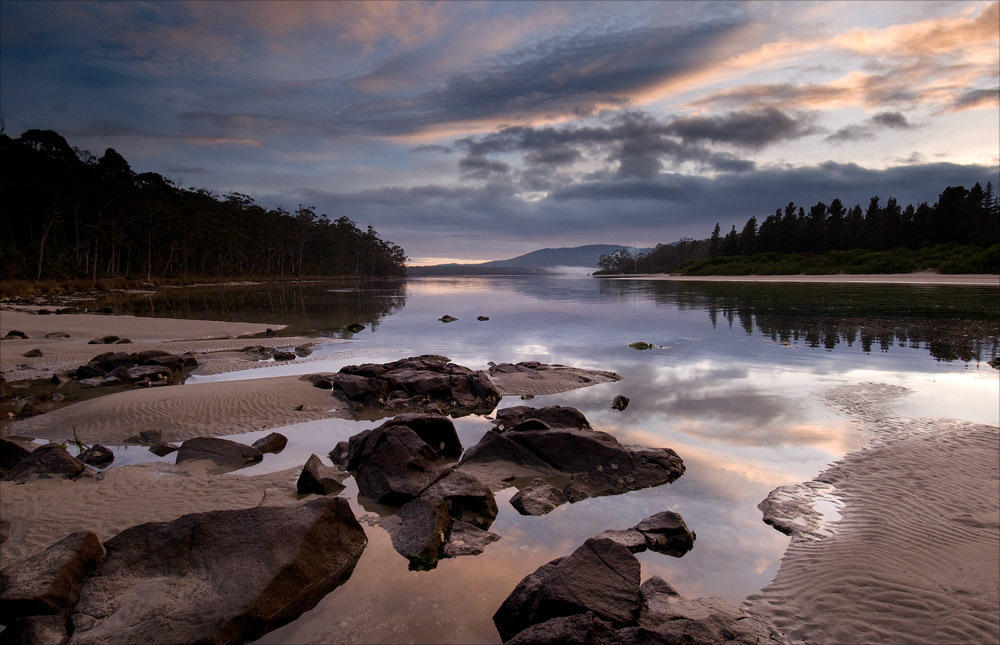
<point>915,555</point>
<point>46,510</point>
<point>919,278</point>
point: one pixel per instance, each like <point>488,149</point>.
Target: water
<point>734,384</point>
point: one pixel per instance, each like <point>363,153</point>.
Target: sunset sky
<point>480,131</point>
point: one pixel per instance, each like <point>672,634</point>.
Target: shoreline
<point>915,553</point>
<point>918,278</point>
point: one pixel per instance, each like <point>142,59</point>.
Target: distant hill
<point>573,256</point>
<point>537,262</point>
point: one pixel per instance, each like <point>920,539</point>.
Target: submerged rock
<point>218,577</point>
<point>162,449</point>
<point>97,455</point>
<point>446,318</point>
<point>640,344</point>
<point>482,318</point>
<point>228,455</point>
<point>419,383</point>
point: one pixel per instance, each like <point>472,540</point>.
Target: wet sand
<point>921,277</point>
<point>915,556</point>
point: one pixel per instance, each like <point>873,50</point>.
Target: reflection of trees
<point>306,307</point>
<point>952,323</point>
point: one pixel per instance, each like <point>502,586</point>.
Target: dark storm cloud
<point>869,127</point>
<point>481,167</point>
<point>752,129</point>
<point>660,209</point>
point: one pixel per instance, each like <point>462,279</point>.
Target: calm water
<point>734,385</point>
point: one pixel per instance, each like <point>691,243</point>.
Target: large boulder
<point>418,383</point>
<point>393,463</point>
<point>319,479</point>
<point>601,577</point>
<point>49,582</point>
<point>48,461</point>
<point>557,445</point>
<point>218,577</point>
<point>227,455</point>
<point>273,443</point>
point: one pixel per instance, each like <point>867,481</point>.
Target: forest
<point>66,214</point>
<point>960,233</point>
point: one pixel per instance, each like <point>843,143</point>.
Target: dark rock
<point>15,333</point>
<point>393,465</point>
<point>68,310</point>
<point>601,577</point>
<point>270,332</point>
<point>4,529</point>
<point>482,318</point>
<point>466,539</point>
<point>577,629</point>
<point>323,384</point>
<point>354,327</point>
<point>88,372</point>
<point>282,355</point>
<point>537,498</point>
<point>553,415</point>
<point>318,479</point>
<point>994,362</point>
<point>37,630</point>
<point>304,350</point>
<point>416,383</point>
<point>24,407</point>
<point>55,379</point>
<point>146,437</point>
<point>123,341</point>
<point>219,577</point>
<point>103,340</point>
<point>419,529</point>
<point>530,424</point>
<point>273,443</point>
<point>150,372</point>
<point>469,500</point>
<point>48,461</point>
<point>438,431</point>
<point>162,449</point>
<point>170,361</point>
<point>667,533</point>
<point>106,310</point>
<point>43,312</point>
<point>229,455</point>
<point>57,334</point>
<point>110,360</point>
<point>620,403</point>
<point>11,453</point>
<point>527,397</point>
<point>97,455</point>
<point>57,396</point>
<point>631,539</point>
<point>49,581</point>
<point>32,353</point>
<point>446,318</point>
<point>496,449</point>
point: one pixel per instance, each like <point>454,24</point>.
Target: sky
<point>473,131</point>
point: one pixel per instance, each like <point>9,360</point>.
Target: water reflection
<point>737,391</point>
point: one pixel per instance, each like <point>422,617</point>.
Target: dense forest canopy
<point>958,233</point>
<point>69,214</point>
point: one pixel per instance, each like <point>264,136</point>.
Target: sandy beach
<point>922,277</point>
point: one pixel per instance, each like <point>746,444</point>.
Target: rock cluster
<point>425,383</point>
<point>151,367</point>
<point>564,459</point>
<point>218,577</point>
<point>409,462</point>
<point>44,462</point>
<point>594,596</point>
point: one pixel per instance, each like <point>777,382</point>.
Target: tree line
<point>69,214</point>
<point>960,218</point>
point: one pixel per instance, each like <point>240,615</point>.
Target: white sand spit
<point>915,556</point>
<point>184,411</point>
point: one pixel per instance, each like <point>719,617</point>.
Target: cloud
<point>481,167</point>
<point>752,129</point>
<point>975,99</point>
<point>869,127</point>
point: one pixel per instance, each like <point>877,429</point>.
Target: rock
<point>532,377</point>
<point>620,403</point>
<point>323,384</point>
<point>146,437</point>
<point>466,539</point>
<point>97,455</point>
<point>304,350</point>
<point>11,453</point>
<point>57,380</point>
<point>640,345</point>
<point>162,449</point>
<point>15,333</point>
<point>151,372</point>
<point>393,465</point>
<point>282,355</point>
<point>226,454</point>
<point>43,312</point>
<point>419,529</point>
<point>446,318</point>
<point>601,577</point>
<point>527,397</point>
<point>469,500</point>
<point>24,407</point>
<point>33,353</point>
<point>104,340</point>
<point>170,361</point>
<point>537,498</point>
<point>631,539</point>
<point>50,580</point>
<point>57,396</point>
<point>123,341</point>
<point>57,334</point>
<point>497,450</point>
<point>553,415</point>
<point>109,361</point>
<point>416,383</point>
<point>667,533</point>
<point>4,529</point>
<point>48,461</point>
<point>578,629</point>
<point>994,362</point>
<point>482,318</point>
<point>37,630</point>
<point>273,443</point>
<point>438,431</point>
<point>355,327</point>
<point>318,479</point>
<point>218,577</point>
